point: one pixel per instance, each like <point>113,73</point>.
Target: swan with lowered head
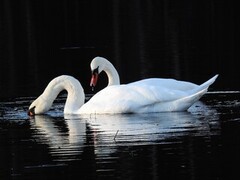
<point>127,98</point>
<point>75,96</point>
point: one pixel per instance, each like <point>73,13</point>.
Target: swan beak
<point>31,112</point>
<point>94,80</point>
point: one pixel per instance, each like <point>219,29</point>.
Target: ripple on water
<point>102,145</point>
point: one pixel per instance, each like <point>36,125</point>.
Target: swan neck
<point>75,93</point>
<point>112,74</point>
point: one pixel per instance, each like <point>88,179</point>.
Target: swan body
<point>138,97</point>
<point>145,96</point>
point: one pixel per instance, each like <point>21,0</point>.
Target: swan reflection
<point>64,137</point>
<point>148,128</point>
<point>103,134</point>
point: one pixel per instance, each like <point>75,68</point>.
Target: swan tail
<point>204,86</point>
<point>196,94</point>
<point>187,102</point>
<point>208,83</point>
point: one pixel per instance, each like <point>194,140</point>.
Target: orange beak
<point>94,79</point>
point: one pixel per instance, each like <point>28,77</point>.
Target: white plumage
<point>144,96</point>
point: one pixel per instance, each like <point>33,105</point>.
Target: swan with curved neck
<point>100,64</point>
<point>130,98</point>
<point>75,96</point>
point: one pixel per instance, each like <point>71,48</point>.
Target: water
<point>202,143</point>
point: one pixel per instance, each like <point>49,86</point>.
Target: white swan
<point>130,98</point>
<point>100,64</point>
<point>75,96</point>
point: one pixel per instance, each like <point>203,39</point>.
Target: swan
<point>75,96</point>
<point>126,98</point>
<point>101,64</point>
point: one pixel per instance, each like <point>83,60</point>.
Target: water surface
<point>202,143</point>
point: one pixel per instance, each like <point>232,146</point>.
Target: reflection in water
<point>67,138</point>
<point>129,146</point>
<point>104,144</point>
<point>196,144</point>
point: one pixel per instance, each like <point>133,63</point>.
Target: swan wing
<point>129,99</point>
<point>167,83</point>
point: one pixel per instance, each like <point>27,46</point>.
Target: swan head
<point>39,106</point>
<point>97,66</point>
<point>100,64</point>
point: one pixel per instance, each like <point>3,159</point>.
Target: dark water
<point>202,143</point>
